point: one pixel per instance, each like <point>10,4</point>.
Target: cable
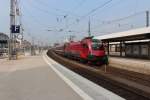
<point>95,9</point>
<point>119,19</point>
<point>130,16</point>
<point>113,5</point>
<point>39,2</point>
<point>57,16</point>
<point>35,20</point>
<point>92,11</point>
<point>136,5</point>
<point>79,5</point>
<point>43,10</point>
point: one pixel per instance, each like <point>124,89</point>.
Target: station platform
<point>131,64</point>
<point>41,78</point>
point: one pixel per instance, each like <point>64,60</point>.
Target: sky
<point>51,21</point>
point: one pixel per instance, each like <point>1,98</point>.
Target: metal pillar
<point>108,48</point>
<point>89,27</point>
<point>33,47</point>
<point>147,18</point>
<point>121,49</point>
<point>149,49</point>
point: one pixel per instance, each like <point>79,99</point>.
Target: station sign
<point>15,29</point>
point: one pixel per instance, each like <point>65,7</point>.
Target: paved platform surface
<point>30,78</point>
<point>41,78</point>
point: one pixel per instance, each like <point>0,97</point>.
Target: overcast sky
<point>61,16</point>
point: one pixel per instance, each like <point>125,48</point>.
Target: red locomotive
<point>87,50</point>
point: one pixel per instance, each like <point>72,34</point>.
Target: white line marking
<point>69,82</point>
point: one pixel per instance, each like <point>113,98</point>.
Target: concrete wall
<point>136,65</point>
<point>137,50</point>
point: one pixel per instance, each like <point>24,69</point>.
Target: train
<point>86,50</point>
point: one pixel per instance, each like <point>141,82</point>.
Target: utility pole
<point>89,27</point>
<point>33,47</point>
<point>21,31</point>
<point>66,19</point>
<point>71,37</point>
<point>12,22</point>
<point>147,18</point>
<point>14,29</point>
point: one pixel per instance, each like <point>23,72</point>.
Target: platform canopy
<point>136,34</point>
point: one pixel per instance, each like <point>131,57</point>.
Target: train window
<point>97,45</point>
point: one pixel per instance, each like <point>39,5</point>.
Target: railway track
<point>114,80</point>
<point>133,76</point>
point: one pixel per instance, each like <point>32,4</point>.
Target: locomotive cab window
<point>97,45</point>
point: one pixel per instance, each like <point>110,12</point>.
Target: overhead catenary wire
<point>36,6</point>
<point>37,21</point>
<point>78,19</point>
<point>109,7</point>
<point>104,23</point>
<point>109,22</point>
<point>92,11</point>
<point>80,4</point>
<point>101,6</point>
<point>64,12</point>
<point>58,17</point>
<point>118,20</point>
<point>97,8</point>
<point>33,17</point>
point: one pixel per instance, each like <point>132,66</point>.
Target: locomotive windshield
<point>96,45</point>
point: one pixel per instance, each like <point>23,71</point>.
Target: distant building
<point>56,44</point>
<point>3,43</point>
<point>26,44</point>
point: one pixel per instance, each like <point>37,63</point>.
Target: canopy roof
<point>136,34</point>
